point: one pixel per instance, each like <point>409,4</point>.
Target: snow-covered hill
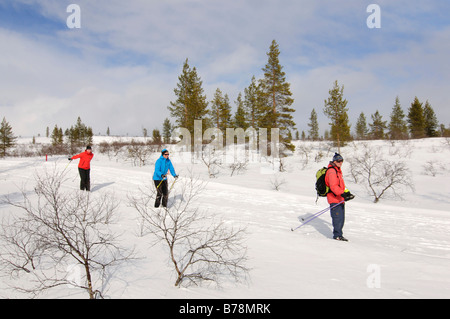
<point>398,248</point>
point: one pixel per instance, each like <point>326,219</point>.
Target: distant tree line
<point>74,138</point>
<point>419,121</point>
<point>264,103</point>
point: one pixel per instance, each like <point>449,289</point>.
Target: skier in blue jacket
<point>162,167</point>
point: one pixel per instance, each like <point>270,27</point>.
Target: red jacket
<point>335,181</point>
<point>85,159</point>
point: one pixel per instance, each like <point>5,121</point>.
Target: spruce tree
<point>7,138</point>
<point>362,131</point>
<point>313,126</point>
<point>191,103</point>
<point>398,128</point>
<point>79,135</point>
<point>431,122</point>
<point>416,119</point>
<point>336,110</point>
<point>253,104</point>
<point>156,137</point>
<point>276,94</point>
<point>57,137</point>
<point>167,131</point>
<point>378,126</point>
<point>240,117</point>
<point>221,111</point>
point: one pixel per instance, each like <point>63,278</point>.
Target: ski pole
<point>323,211</point>
<point>173,183</point>
<point>312,218</point>
<point>159,184</point>
<point>67,165</point>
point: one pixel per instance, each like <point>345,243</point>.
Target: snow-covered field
<point>398,248</point>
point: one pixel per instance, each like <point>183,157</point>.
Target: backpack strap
<point>332,166</point>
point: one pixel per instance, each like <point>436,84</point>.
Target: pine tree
<point>378,126</point>
<point>336,110</point>
<point>156,137</point>
<point>191,103</point>
<point>253,102</point>
<point>167,130</point>
<point>416,119</point>
<point>57,136</point>
<point>362,131</point>
<point>7,138</point>
<point>444,132</point>
<point>221,111</point>
<point>79,135</point>
<point>313,126</point>
<point>277,94</point>
<point>240,117</point>
<point>398,128</point>
<point>431,122</point>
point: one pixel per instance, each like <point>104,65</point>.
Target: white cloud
<point>120,68</point>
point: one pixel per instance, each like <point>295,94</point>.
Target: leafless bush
<point>140,153</point>
<point>433,168</point>
<point>319,156</point>
<point>379,175</point>
<point>212,160</point>
<point>277,182</point>
<point>401,148</point>
<point>305,151</point>
<point>446,142</point>
<point>57,231</point>
<point>201,247</point>
<point>238,166</point>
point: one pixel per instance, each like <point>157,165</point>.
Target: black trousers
<point>162,191</point>
<point>85,183</point>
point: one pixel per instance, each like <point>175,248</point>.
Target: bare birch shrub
<point>56,231</point>
<point>379,176</point>
<point>140,153</point>
<point>201,248</point>
<point>213,161</point>
<point>276,182</point>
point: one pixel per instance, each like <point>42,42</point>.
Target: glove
<point>164,176</point>
<point>347,195</point>
<point>176,176</point>
<point>70,158</point>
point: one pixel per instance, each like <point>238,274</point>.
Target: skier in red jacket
<point>337,196</point>
<point>84,167</point>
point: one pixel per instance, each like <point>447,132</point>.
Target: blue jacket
<point>162,166</point>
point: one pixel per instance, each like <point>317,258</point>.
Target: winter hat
<point>164,150</point>
<point>88,147</point>
<point>337,157</point>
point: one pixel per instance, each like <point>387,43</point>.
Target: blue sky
<point>120,69</point>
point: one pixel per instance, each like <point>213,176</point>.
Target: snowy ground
<point>397,248</point>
